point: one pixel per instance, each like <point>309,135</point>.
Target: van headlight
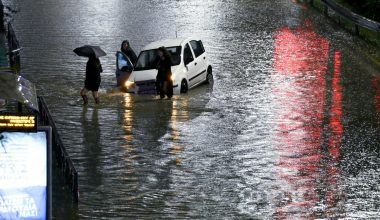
<point>172,78</point>
<point>129,84</point>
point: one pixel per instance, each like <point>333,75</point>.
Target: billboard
<point>17,122</point>
<point>25,174</point>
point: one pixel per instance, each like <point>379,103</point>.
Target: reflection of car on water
<point>124,68</point>
<point>190,66</point>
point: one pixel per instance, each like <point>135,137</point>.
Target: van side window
<point>187,55</point>
<point>197,47</point>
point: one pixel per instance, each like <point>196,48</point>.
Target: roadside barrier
<point>63,159</point>
<point>372,28</point>
<point>355,18</point>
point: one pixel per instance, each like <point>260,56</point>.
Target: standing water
<point>289,129</point>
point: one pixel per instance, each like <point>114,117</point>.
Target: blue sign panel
<point>25,174</point>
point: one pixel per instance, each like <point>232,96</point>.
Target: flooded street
<point>289,129</point>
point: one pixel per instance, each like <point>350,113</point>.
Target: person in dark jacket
<point>92,80</point>
<point>128,51</point>
<point>164,83</point>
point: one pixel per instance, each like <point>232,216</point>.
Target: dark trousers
<point>165,88</point>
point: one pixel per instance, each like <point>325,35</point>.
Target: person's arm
<point>98,66</point>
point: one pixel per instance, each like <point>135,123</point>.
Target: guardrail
<point>357,20</point>
<point>14,49</point>
<point>63,159</point>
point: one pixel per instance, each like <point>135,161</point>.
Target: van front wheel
<point>184,86</point>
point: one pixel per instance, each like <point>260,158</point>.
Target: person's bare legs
<point>83,93</point>
<point>95,94</point>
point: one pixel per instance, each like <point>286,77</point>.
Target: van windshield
<point>148,58</point>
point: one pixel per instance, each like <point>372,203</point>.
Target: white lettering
<point>24,205</point>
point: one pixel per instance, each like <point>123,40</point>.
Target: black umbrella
<point>88,50</point>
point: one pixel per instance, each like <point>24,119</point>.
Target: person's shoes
<point>97,100</point>
<point>85,99</point>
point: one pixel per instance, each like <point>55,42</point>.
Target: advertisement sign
<point>19,122</point>
<point>25,174</point>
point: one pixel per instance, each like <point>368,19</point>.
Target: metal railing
<point>355,18</point>
<point>63,159</point>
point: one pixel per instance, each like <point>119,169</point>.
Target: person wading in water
<point>164,83</point>
<point>92,80</point>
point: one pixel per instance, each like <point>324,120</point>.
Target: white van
<point>190,66</point>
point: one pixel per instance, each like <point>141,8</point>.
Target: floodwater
<point>289,129</point>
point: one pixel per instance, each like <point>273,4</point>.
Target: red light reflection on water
<point>305,165</point>
<point>333,195</point>
<point>336,110</point>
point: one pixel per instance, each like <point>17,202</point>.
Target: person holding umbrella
<point>93,70</point>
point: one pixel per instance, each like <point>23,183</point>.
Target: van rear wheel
<point>209,76</point>
<point>184,86</point>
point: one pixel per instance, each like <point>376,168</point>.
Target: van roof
<point>167,43</point>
